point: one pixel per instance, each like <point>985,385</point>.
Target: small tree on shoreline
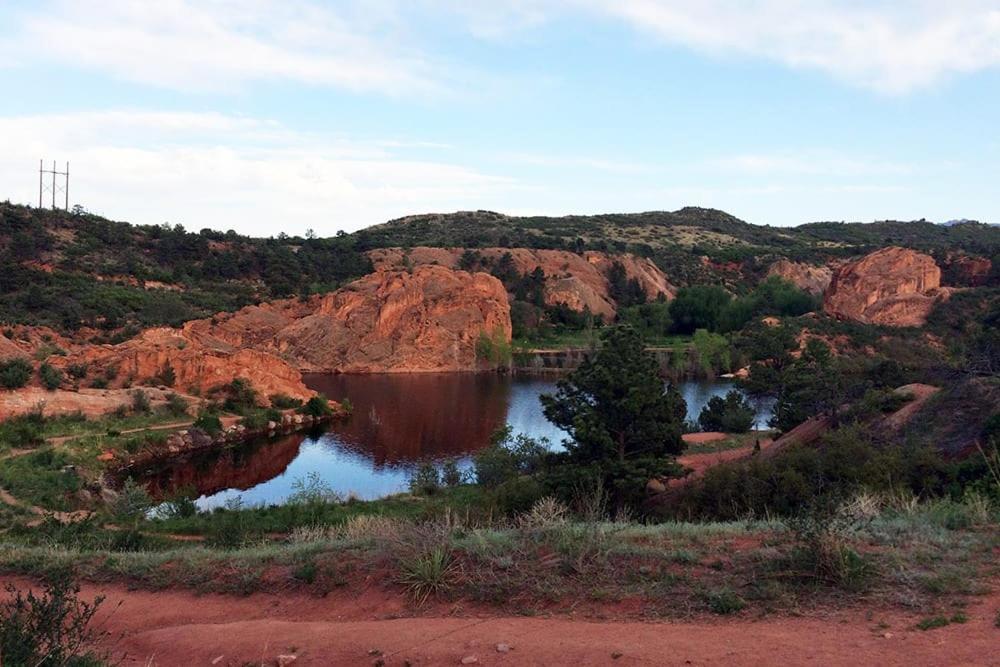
<point>624,425</point>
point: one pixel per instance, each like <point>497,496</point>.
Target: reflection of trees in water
<point>241,468</point>
<point>404,418</point>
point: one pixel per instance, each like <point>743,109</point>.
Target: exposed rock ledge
<point>577,281</point>
<point>892,287</point>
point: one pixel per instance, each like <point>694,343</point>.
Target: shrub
<point>77,371</point>
<point>240,396</point>
<point>732,414</point>
<point>725,602</point>
<point>23,430</point>
<point>507,457</point>
<point>15,373</point>
<point>140,402</point>
<point>209,423</point>
<point>284,401</point>
<point>317,406</point>
<point>132,503</point>
<point>50,376</point>
<point>177,405</point>
<point>167,376</point>
<point>427,573</point>
<point>426,480</point>
<point>51,629</point>
<point>451,474</point>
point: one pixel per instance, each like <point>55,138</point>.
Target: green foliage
<point>624,427</point>
<point>317,406</point>
<point>53,629</point>
<point>177,405</point>
<point>284,402</point>
<point>23,430</point>
<point>652,320</point>
<point>426,480</point>
<point>698,307</point>
<point>132,502</point>
<point>844,462</point>
<point>493,348</point>
<point>428,573</point>
<point>50,376</point>
<point>240,396</point>
<point>451,474</point>
<point>140,402</point>
<point>507,457</point>
<point>208,422</point>
<point>167,376</point>
<point>77,371</point>
<point>725,602</point>
<point>732,414</point>
<point>15,373</point>
<point>711,352</point>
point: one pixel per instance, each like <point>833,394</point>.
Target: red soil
<point>178,628</point>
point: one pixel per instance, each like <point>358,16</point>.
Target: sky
<point>266,116</point>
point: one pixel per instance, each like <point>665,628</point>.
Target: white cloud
<point>218,171</point>
<point>893,46</point>
<point>208,45</point>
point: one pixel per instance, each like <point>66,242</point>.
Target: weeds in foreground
<point>53,629</point>
<point>427,574</point>
<point>824,549</point>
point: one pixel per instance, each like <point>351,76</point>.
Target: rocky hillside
<point>579,281</point>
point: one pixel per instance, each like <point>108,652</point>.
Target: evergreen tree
<point>624,426</point>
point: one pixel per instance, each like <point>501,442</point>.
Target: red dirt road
<point>179,628</point>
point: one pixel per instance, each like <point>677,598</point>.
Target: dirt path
<point>177,628</point>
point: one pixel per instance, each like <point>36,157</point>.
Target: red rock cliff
<point>396,321</point>
<point>892,286</point>
<point>812,279</point>
<point>577,281</point>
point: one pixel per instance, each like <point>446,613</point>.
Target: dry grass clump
<point>546,512</point>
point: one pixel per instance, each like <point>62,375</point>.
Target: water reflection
<point>399,421</point>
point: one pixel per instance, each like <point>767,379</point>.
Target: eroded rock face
<point>579,281</point>
<point>812,279</point>
<point>199,363</point>
<point>967,270</point>
<point>892,287</point>
<point>397,321</point>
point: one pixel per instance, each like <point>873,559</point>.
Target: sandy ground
<point>178,628</point>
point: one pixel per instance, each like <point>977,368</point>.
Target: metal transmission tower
<point>54,187</point>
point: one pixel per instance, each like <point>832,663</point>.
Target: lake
<point>399,422</point>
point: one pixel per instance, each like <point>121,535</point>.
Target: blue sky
<point>283,115</point>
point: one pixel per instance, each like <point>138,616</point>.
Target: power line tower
<point>54,187</point>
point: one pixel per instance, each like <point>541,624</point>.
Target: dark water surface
<point>399,422</point>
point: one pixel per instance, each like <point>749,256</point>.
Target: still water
<point>399,422</point>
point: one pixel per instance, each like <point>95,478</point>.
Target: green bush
<point>50,376</point>
<point>507,457</point>
<point>77,371</point>
<point>15,373</point>
<point>426,480</point>
<point>317,406</point>
<point>732,414</point>
<point>284,402</point>
<point>240,396</point>
<point>51,629</point>
<point>140,402</point>
<point>209,423</point>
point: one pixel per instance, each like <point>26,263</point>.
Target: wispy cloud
<point>210,45</point>
<point>893,46</point>
<point>579,162</point>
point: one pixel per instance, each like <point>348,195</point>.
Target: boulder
<point>891,287</point>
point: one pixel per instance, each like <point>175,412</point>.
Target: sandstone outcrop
<point>578,281</point>
<point>892,287</point>
<point>397,321</point>
<point>812,279</point>
<point>199,364</point>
